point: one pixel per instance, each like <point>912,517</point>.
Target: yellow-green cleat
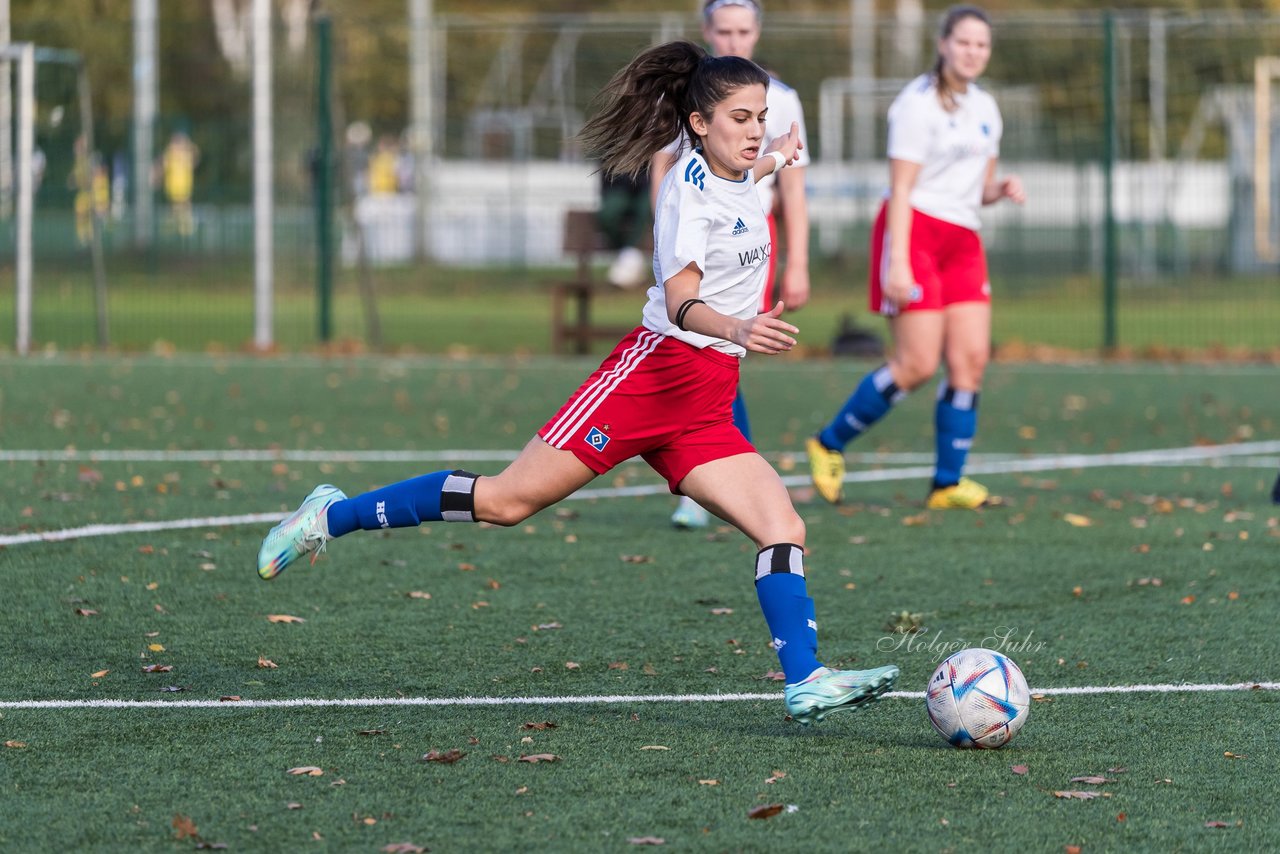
<point>304,531</point>
<point>828,691</point>
<point>965,495</point>
<point>826,468</point>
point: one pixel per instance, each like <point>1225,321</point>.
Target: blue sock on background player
<point>441,495</point>
<point>874,396</point>
<point>955,420</point>
<point>787,608</point>
<point>740,419</point>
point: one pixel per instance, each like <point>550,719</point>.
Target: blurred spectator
<point>92,188</point>
<point>384,167</point>
<point>178,164</point>
<point>626,220</point>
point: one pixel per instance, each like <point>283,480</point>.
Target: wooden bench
<point>571,323</point>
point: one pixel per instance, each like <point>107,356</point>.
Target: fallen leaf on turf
<point>184,827</point>
<point>535,758</point>
<point>229,698</point>
<point>537,725</point>
<point>655,747</point>
<point>646,840</point>
<point>572,665</point>
<point>775,776</point>
<point>157,668</point>
<point>371,732</point>
<point>1216,824</point>
<point>522,790</point>
<point>1020,770</point>
<point>1187,600</point>
<point>649,669</point>
<point>1122,817</point>
<point>403,848</point>
<point>99,674</point>
<point>211,846</point>
<point>86,612</point>
<point>542,627</point>
<point>153,585</point>
<point>173,689</point>
<point>721,611</point>
<point>637,559</point>
<point>156,647</point>
<point>1076,520</point>
<point>308,770</point>
<point>1082,796</point>
<point>1119,769</point>
<point>418,594</point>
<point>293,805</point>
<point>1071,849</point>
<point>765,811</point>
<point>284,618</point>
<point>15,745</point>
<point>448,757</point>
<point>914,522</point>
<point>708,782</point>
<point>267,663</point>
<point>1231,755</point>
<point>1092,780</point>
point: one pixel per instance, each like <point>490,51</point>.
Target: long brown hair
<point>647,104</point>
<point>950,19</point>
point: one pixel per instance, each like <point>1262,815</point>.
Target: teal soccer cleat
<point>303,531</point>
<point>830,691</point>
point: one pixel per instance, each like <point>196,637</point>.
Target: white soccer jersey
<point>719,225</point>
<point>953,149</point>
<point>784,108</point>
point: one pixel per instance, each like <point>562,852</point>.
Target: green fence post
<point>1110,249</point>
<point>323,176</point>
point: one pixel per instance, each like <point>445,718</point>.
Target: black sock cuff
<point>958,398</point>
<point>780,558</point>
<point>458,497</point>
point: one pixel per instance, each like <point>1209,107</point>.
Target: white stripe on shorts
<point>594,395</point>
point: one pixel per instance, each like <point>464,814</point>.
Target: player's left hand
<point>1011,188</point>
<point>765,333</point>
<point>795,286</point>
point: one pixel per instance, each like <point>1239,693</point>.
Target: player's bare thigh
<point>537,478</point>
<point>745,491</point>
<point>917,347</point>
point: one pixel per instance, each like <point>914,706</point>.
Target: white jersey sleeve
<point>681,224</point>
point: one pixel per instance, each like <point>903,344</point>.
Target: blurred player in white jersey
<point>732,28</point>
<point>928,266</point>
<point>665,393</point>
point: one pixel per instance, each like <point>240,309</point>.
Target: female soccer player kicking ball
<point>666,391</point>
<point>928,267</point>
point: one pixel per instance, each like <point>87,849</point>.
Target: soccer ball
<point>977,698</point>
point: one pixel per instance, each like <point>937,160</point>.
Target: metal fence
<point>1153,186</point>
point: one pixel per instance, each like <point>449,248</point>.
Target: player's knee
<point>787,528</point>
<point>914,370</point>
<point>508,512</point>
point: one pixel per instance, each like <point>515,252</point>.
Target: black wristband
<point>684,309</point>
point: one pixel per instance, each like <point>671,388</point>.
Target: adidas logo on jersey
<point>740,227</point>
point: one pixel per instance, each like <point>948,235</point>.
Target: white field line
<point>590,699</point>
<point>1190,455</point>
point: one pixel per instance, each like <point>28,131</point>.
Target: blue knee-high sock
<point>740,419</point>
<point>441,495</point>
<point>955,420</point>
<point>874,396</point>
<point>788,609</point>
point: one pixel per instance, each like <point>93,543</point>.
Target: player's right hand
<point>900,285</point>
<point>766,333</point>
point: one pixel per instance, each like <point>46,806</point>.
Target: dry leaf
<point>542,627</point>
<point>708,782</point>
<point>418,594</point>
<point>184,827</point>
<point>1216,824</point>
<point>16,745</point>
<point>646,840</point>
<point>448,757</point>
<point>157,668</point>
<point>156,647</point>
<point>618,665</point>
<point>403,848</point>
<point>371,732</point>
<point>85,612</point>
<point>637,559</point>
<point>572,665</point>
<point>721,611</point>
<point>912,522</point>
<point>774,676</point>
<point>1231,755</point>
<point>229,698</point>
<point>655,747</point>
<point>1082,796</point>
<point>535,758</point>
<point>539,725</point>
<point>284,618</point>
<point>293,805</point>
<point>308,770</point>
<point>267,663</point>
<point>1020,770</point>
<point>1092,780</point>
<point>765,811</point>
<point>99,674</point>
<point>1076,520</point>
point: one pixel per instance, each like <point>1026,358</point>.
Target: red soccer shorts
<point>655,397</point>
<point>947,260</point>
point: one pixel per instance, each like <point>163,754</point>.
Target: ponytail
<point>646,106</point>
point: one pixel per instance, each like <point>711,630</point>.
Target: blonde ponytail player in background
<point>928,267</point>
